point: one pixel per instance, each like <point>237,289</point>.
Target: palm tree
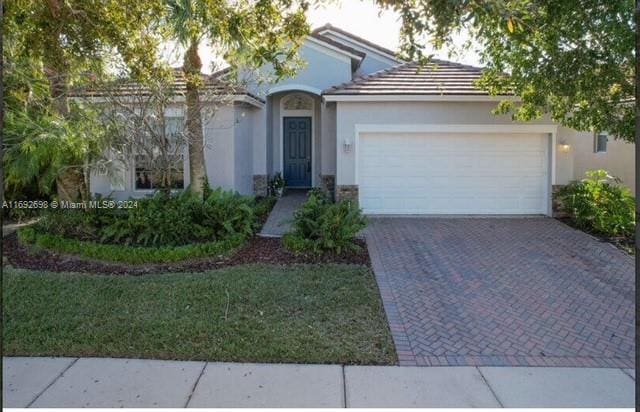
<point>188,20</point>
<point>250,33</point>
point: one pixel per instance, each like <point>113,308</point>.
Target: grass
<point>256,313</point>
<point>128,254</point>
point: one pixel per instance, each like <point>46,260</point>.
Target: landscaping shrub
<point>599,204</point>
<point>323,226</point>
<point>226,214</point>
<point>128,254</point>
<point>162,220</point>
<point>83,224</point>
<point>262,208</point>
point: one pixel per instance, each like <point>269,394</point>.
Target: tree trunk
<point>192,70</point>
<point>71,182</point>
<point>71,185</point>
<point>58,86</point>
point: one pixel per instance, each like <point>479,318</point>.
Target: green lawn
<point>305,313</point>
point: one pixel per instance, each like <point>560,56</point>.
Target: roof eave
<point>417,97</point>
<point>355,55</point>
<point>357,39</point>
<point>237,98</point>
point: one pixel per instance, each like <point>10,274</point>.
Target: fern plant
<point>322,226</point>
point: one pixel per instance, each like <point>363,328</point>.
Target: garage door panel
<point>452,173</point>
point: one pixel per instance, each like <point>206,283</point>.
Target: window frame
<point>184,156</point>
<point>596,142</point>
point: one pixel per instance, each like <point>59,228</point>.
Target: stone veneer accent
<point>329,184</point>
<point>556,204</point>
<point>260,185</point>
<point>347,192</point>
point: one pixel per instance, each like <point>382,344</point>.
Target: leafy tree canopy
<point>70,36</point>
<point>573,59</point>
<point>244,32</point>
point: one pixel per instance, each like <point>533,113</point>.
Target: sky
<point>360,17</point>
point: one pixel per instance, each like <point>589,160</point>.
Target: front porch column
<point>259,147</point>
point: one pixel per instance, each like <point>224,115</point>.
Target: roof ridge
<point>458,64</point>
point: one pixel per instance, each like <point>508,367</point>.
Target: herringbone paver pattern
<point>503,291</point>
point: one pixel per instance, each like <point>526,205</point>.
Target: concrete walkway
<point>105,382</point>
<point>281,216</point>
<point>12,227</point>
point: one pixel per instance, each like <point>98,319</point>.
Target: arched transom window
<point>297,101</point>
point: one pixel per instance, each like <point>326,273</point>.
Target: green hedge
<point>162,220</point>
<point>600,204</point>
<point>128,254</point>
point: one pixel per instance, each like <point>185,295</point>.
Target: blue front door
<point>297,151</point>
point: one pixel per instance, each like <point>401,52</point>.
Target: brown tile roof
<point>438,77</point>
<point>329,27</point>
<point>213,84</point>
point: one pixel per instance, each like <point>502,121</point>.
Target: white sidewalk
<point>106,382</point>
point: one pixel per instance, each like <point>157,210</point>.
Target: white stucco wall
<point>349,114</point>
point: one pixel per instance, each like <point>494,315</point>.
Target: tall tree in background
<point>573,59</point>
<point>64,38</point>
<point>246,33</point>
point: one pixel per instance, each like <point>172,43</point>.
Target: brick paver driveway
<point>503,291</point>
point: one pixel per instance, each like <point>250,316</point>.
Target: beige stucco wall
<point>619,160</point>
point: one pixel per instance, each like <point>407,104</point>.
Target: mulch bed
<point>626,244</point>
<point>256,250</point>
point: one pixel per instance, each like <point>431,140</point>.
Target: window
<point>162,163</point>
<point>297,101</point>
<point>601,143</point>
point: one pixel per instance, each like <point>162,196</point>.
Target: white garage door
<point>453,173</point>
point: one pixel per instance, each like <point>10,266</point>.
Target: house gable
<point>377,57</point>
<point>324,66</point>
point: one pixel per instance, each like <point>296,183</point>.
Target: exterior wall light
<point>564,146</point>
<point>346,145</point>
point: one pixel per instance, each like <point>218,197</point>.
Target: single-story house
<point>367,126</point>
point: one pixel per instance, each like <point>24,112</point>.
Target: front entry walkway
<point>281,216</point>
<point>503,292</point>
